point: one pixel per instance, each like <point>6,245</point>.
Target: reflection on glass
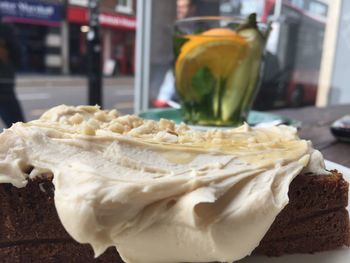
<point>294,50</point>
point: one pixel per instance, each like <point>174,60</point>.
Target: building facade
<point>38,26</point>
<point>117,28</point>
<point>53,34</point>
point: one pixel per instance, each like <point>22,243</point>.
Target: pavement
<point>37,93</point>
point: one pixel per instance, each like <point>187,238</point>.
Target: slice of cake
<point>39,235</point>
<point>162,193</point>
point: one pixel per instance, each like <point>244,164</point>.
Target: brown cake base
<point>55,252</point>
<point>315,219</point>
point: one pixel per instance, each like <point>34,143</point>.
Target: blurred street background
<point>38,93</point>
<point>54,52</point>
<point>46,48</point>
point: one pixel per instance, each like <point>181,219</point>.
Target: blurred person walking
<point>10,109</point>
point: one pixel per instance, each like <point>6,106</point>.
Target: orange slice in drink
<point>218,49</point>
<point>220,32</point>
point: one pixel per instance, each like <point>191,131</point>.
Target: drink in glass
<point>217,68</point>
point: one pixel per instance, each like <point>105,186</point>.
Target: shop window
<point>318,8</point>
<point>124,6</point>
<point>292,60</point>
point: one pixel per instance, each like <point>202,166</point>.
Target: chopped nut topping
<point>113,113</point>
<point>76,119</point>
<point>165,124</point>
<point>101,116</point>
<point>117,127</point>
<point>88,130</point>
<point>89,109</point>
<point>93,123</point>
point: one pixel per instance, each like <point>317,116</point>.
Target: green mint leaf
<point>203,82</point>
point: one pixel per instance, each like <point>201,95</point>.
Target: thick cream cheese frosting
<point>157,191</point>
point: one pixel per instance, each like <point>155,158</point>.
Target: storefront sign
<point>31,11</point>
<point>117,21</point>
<point>80,15</point>
<point>78,2</point>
